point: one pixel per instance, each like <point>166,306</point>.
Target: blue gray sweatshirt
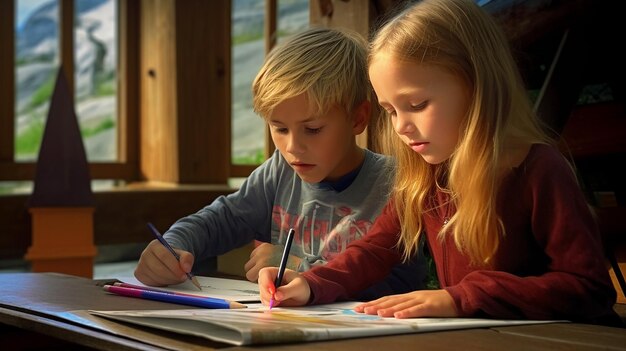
<point>274,199</point>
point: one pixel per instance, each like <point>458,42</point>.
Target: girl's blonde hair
<point>459,37</point>
<point>329,65</point>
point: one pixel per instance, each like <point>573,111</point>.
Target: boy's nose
<point>294,145</point>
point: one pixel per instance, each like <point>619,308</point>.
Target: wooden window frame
<point>126,168</point>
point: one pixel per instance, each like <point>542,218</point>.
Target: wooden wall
<point>185,85</point>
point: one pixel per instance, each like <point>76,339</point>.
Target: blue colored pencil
<point>206,302</point>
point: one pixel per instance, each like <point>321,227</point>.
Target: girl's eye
<point>419,107</point>
<point>313,130</point>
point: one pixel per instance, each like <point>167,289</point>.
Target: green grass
<point>105,124</point>
<point>43,93</point>
<point>15,187</point>
<point>107,88</point>
<point>29,140</point>
<point>255,159</point>
<point>247,37</point>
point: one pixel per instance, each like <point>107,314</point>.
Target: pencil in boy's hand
<point>160,238</point>
<point>283,264</point>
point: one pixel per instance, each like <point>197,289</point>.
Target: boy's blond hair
<point>328,65</point>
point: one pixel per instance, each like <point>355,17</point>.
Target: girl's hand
<point>158,267</point>
<point>420,303</point>
<point>294,291</point>
<point>267,255</point>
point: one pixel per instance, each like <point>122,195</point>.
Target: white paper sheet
<point>229,289</point>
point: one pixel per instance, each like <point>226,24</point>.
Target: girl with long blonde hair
<point>477,179</point>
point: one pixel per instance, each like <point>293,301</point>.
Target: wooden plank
<point>117,223</point>
<point>33,332</point>
<point>7,77</point>
<point>128,88</point>
<point>159,128</point>
<point>120,216</point>
<point>15,236</point>
<point>203,84</point>
<point>37,301</point>
<point>618,274</point>
<point>271,37</point>
<point>185,84</point>
<point>271,24</point>
<point>354,15</point>
<point>44,298</point>
<point>571,336</point>
<point>241,170</point>
<point>26,171</point>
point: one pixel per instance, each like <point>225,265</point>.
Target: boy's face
<point>318,147</point>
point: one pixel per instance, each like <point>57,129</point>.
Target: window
<point>36,65</point>
<point>95,65</point>
<point>95,76</point>
<point>249,45</point>
<point>96,44</point>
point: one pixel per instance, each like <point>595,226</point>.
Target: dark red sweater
<point>550,264</point>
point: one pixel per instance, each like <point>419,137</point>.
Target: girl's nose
<point>403,125</point>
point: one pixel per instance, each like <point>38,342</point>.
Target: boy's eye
<point>280,130</point>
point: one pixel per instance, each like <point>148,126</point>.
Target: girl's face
<point>425,103</point>
<point>318,147</point>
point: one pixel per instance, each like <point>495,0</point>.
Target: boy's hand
<point>158,267</point>
<point>294,290</point>
<point>267,255</point>
<point>420,303</point>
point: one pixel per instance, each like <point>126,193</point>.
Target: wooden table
<point>32,307</point>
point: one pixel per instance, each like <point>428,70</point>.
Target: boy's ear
<point>361,117</point>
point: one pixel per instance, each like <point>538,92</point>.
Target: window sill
<point>120,215</point>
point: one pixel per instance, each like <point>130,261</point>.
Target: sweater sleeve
<point>364,262</point>
<point>574,283</point>
<point>230,221</point>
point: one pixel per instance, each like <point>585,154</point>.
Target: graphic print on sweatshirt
<point>322,230</point>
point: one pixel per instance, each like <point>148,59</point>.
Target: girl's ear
<point>361,117</point>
